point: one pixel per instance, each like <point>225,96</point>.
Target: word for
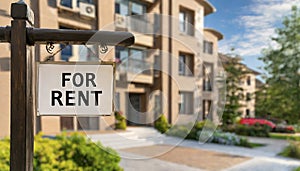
<point>76,98</point>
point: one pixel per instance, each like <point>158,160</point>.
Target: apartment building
<point>169,70</point>
<point>248,84</point>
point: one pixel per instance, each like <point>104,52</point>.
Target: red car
<point>253,121</point>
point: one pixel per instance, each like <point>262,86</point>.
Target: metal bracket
<point>103,48</point>
<point>50,47</point>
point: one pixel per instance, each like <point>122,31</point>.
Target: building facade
<point>169,70</point>
<point>248,84</point>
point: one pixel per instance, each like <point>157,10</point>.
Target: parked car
<point>283,128</point>
<point>253,121</point>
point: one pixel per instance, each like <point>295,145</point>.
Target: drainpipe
<point>170,64</point>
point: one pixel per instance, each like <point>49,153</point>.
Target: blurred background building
<point>179,45</point>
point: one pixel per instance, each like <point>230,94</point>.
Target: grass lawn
<point>284,136</point>
<point>254,145</point>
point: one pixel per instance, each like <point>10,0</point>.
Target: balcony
<point>142,26</point>
<point>137,71</point>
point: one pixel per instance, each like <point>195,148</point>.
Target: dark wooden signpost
<point>22,36</point>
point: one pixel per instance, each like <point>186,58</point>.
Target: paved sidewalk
<point>151,164</point>
<point>263,158</point>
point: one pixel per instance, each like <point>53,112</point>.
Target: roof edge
<point>218,34</point>
<point>208,7</point>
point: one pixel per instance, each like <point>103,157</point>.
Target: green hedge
<point>120,121</point>
<point>189,131</point>
<point>218,137</point>
<point>256,130</point>
<point>73,152</point>
<point>161,124</point>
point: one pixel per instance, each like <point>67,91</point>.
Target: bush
<point>297,169</point>
<point>218,137</point>
<point>74,153</point>
<point>161,124</point>
<point>4,154</point>
<point>197,128</point>
<point>256,130</point>
<point>293,150</point>
<point>297,127</point>
<point>178,131</point>
<point>227,138</point>
<point>120,121</point>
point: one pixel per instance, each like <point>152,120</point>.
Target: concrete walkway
<point>263,158</point>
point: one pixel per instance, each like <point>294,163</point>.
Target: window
<point>185,64</point>
<point>88,123</point>
<point>66,3</point>
<point>117,101</point>
<point>186,103</point>
<point>87,53</point>
<point>208,47</point>
<point>186,21</point>
<point>127,7</point>
<point>123,53</point>
<point>5,64</point>
<point>67,123</point>
<point>157,105</point>
<point>66,52</point>
<point>181,67</point>
<point>248,97</point>
<point>85,1</point>
<point>248,80</point>
<point>247,113</point>
<point>135,59</point>
<point>206,108</point>
<point>207,77</point>
<point>69,3</point>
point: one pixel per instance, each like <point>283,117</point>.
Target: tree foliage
<point>282,64</point>
<point>234,74</point>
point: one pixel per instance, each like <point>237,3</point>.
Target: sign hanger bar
<point>43,36</point>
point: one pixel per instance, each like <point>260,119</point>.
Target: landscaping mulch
<point>203,159</point>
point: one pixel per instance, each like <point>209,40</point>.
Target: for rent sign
<point>75,89</point>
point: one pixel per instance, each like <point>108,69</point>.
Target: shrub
<point>74,153</point>
<point>120,121</point>
<point>197,128</point>
<point>161,124</point>
<point>227,138</point>
<point>178,131</point>
<point>256,130</point>
<point>4,154</point>
<point>297,127</point>
<point>218,137</point>
<point>293,150</point>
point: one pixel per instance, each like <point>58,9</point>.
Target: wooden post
<point>22,99</point>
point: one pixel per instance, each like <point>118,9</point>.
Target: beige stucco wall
<point>212,59</point>
<point>5,20</point>
<point>51,17</point>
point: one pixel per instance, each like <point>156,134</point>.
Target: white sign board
<point>75,89</point>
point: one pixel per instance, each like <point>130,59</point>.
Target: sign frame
<point>113,64</point>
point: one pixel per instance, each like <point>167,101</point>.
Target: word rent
<point>78,97</point>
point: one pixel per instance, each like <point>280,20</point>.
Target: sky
<point>248,25</point>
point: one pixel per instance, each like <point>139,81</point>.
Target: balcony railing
<point>139,23</point>
<point>136,66</point>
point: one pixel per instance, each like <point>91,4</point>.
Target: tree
<point>282,64</point>
<point>234,93</point>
